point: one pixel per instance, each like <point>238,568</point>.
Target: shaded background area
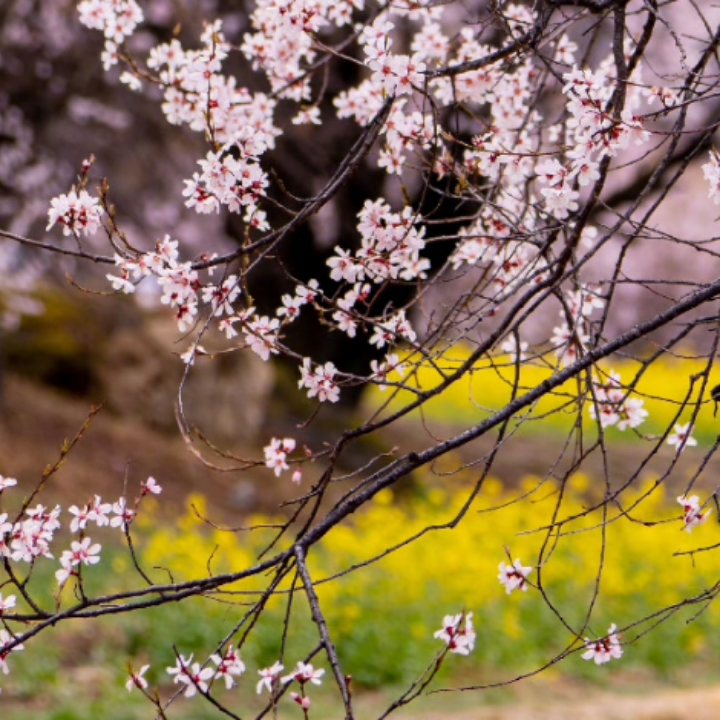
<point>57,106</point>
<point>63,350</point>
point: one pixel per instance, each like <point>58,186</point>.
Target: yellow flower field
<point>664,387</point>
<point>384,615</point>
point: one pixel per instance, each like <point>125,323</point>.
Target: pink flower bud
<point>303,702</point>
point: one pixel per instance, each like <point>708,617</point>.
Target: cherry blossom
<point>510,346</point>
<point>195,350</point>
<point>81,552</point>
<point>460,640</point>
<point>290,307</point>
<point>603,650</point>
<point>226,326</point>
<point>121,284</point>
<point>667,97</point>
<point>681,437</point>
<point>7,603</point>
<point>5,639</point>
<point>131,80</point>
<point>6,482</point>
<point>261,336</point>
<point>276,454</point>
<point>188,673</point>
<point>380,371</point>
<point>150,486</point>
<point>123,514</point>
<point>308,292</point>
<point>389,331</point>
<point>137,680</point>
<point>99,512</point>
<point>30,538</point>
<point>78,213</point>
<point>81,517</point>
<point>514,577</point>
<point>304,673</point>
<point>692,512</point>
<point>229,665</point>
<point>611,404</point>
<point>570,342</point>
<point>302,700</point>
<point>222,297</point>
<point>269,677</point>
<point>320,382</point>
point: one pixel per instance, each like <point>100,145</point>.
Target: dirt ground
<point>35,421</point>
<point>582,703</point>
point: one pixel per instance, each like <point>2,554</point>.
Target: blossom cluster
<point>611,404</point>
<point>603,650</point>
<point>276,454</point>
<point>195,677</point>
<point>395,74</point>
<point>237,184</point>
<point>184,291</point>
<point>538,170</point>
<point>320,381</point>
<point>390,247</point>
<point>77,212</point>
<point>303,673</point>
<point>197,94</point>
<point>693,514</point>
<point>30,536</point>
<point>199,678</point>
<point>458,633</point>
<point>282,43</point>
<point>117,20</point>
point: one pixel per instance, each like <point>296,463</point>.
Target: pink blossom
<point>77,213</point>
<point>123,514</point>
<point>229,665</point>
<point>269,677</point>
<point>682,437</point>
<point>302,700</point>
<point>262,335</point>
<point>603,650</point>
<point>81,552</point>
<point>150,486</point>
<point>137,680</point>
<point>6,482</point>
<point>514,577</point>
<point>460,640</point>
<point>692,512</point>
<point>192,675</point>
<point>319,382</point>
<point>7,603</point>
<point>276,454</point>
<point>5,639</point>
<point>304,673</point>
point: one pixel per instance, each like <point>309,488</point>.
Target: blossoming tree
<point>526,151</point>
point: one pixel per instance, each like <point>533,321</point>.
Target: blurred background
<point>66,345</point>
